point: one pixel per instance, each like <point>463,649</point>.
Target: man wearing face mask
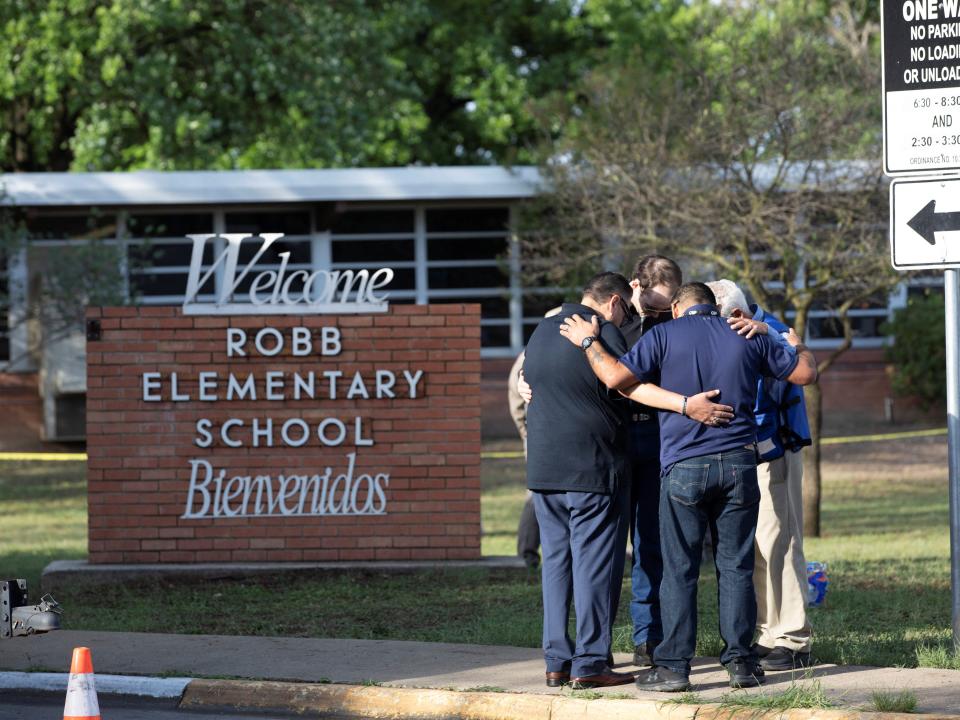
<point>654,281</point>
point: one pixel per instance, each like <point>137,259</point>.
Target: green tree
<point>208,84</point>
<point>918,352</point>
<point>201,84</point>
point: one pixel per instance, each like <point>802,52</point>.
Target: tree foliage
<point>64,280</point>
<point>207,84</point>
<point>918,352</point>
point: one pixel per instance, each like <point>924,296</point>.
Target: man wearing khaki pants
<point>780,569</point>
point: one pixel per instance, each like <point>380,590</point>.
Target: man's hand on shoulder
<point>747,326</point>
<point>793,340</point>
<point>702,408</point>
<point>576,329</point>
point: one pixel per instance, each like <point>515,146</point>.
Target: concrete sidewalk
<point>397,664</point>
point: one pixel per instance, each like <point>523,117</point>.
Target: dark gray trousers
<point>583,539</point>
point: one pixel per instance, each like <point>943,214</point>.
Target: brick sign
<point>283,438</point>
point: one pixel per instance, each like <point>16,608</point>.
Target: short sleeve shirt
<point>576,429</point>
<point>699,352</point>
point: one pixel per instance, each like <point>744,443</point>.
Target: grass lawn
<point>886,540</point>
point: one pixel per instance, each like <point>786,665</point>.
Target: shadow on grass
<point>505,474</point>
<point>32,481</point>
<point>878,612</point>
<point>465,606</point>
<point>890,514</point>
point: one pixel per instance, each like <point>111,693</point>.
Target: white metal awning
<point>268,186</point>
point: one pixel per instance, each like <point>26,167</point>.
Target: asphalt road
<point>46,707</point>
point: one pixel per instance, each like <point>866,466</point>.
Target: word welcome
<point>277,291</point>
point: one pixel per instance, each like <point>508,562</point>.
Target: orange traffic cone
<point>81,690</point>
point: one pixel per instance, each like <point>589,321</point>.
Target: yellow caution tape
<point>43,457</point>
<point>499,455</point>
<point>825,441</point>
<point>886,436</point>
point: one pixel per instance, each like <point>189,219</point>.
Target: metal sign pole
<point>951,287</point>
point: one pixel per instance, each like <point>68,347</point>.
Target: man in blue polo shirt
<point>784,634</point>
<point>709,473</point>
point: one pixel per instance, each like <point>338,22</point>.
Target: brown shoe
<point>607,678</point>
<point>557,679</point>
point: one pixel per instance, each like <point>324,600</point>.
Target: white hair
<point>729,297</point>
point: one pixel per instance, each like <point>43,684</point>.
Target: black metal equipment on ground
<point>19,618</point>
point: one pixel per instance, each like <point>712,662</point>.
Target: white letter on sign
<point>198,487</point>
<point>330,337</point>
<point>302,343</point>
<point>236,339</point>
<point>151,382</point>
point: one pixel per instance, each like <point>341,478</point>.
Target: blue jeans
<point>720,490</point>
<point>647,562</point>
<point>583,539</point>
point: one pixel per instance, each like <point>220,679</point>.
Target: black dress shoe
<point>557,679</point>
<point>606,678</point>
<point>744,674</point>
<point>781,658</point>
<point>643,654</point>
<point>761,650</point>
<point>662,679</point>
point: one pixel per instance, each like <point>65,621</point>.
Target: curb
<point>150,687</point>
<point>399,703</point>
<point>377,702</point>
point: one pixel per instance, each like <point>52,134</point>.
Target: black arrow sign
<point>928,221</point>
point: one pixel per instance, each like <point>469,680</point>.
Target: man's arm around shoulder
<point>617,376</point>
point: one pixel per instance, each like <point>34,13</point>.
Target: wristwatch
<point>588,341</point>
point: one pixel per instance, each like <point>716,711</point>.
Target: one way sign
<point>925,224</point>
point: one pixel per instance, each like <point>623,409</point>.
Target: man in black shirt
<point>579,471</point>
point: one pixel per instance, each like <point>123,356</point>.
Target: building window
<point>467,253</point>
<point>158,255</point>
<point>58,229</point>
<point>372,239</point>
<point>439,254</point>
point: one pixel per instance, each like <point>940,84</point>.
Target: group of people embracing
<point>667,411</point>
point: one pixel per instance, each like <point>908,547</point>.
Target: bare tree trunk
<point>814,397</point>
<point>811,463</point>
